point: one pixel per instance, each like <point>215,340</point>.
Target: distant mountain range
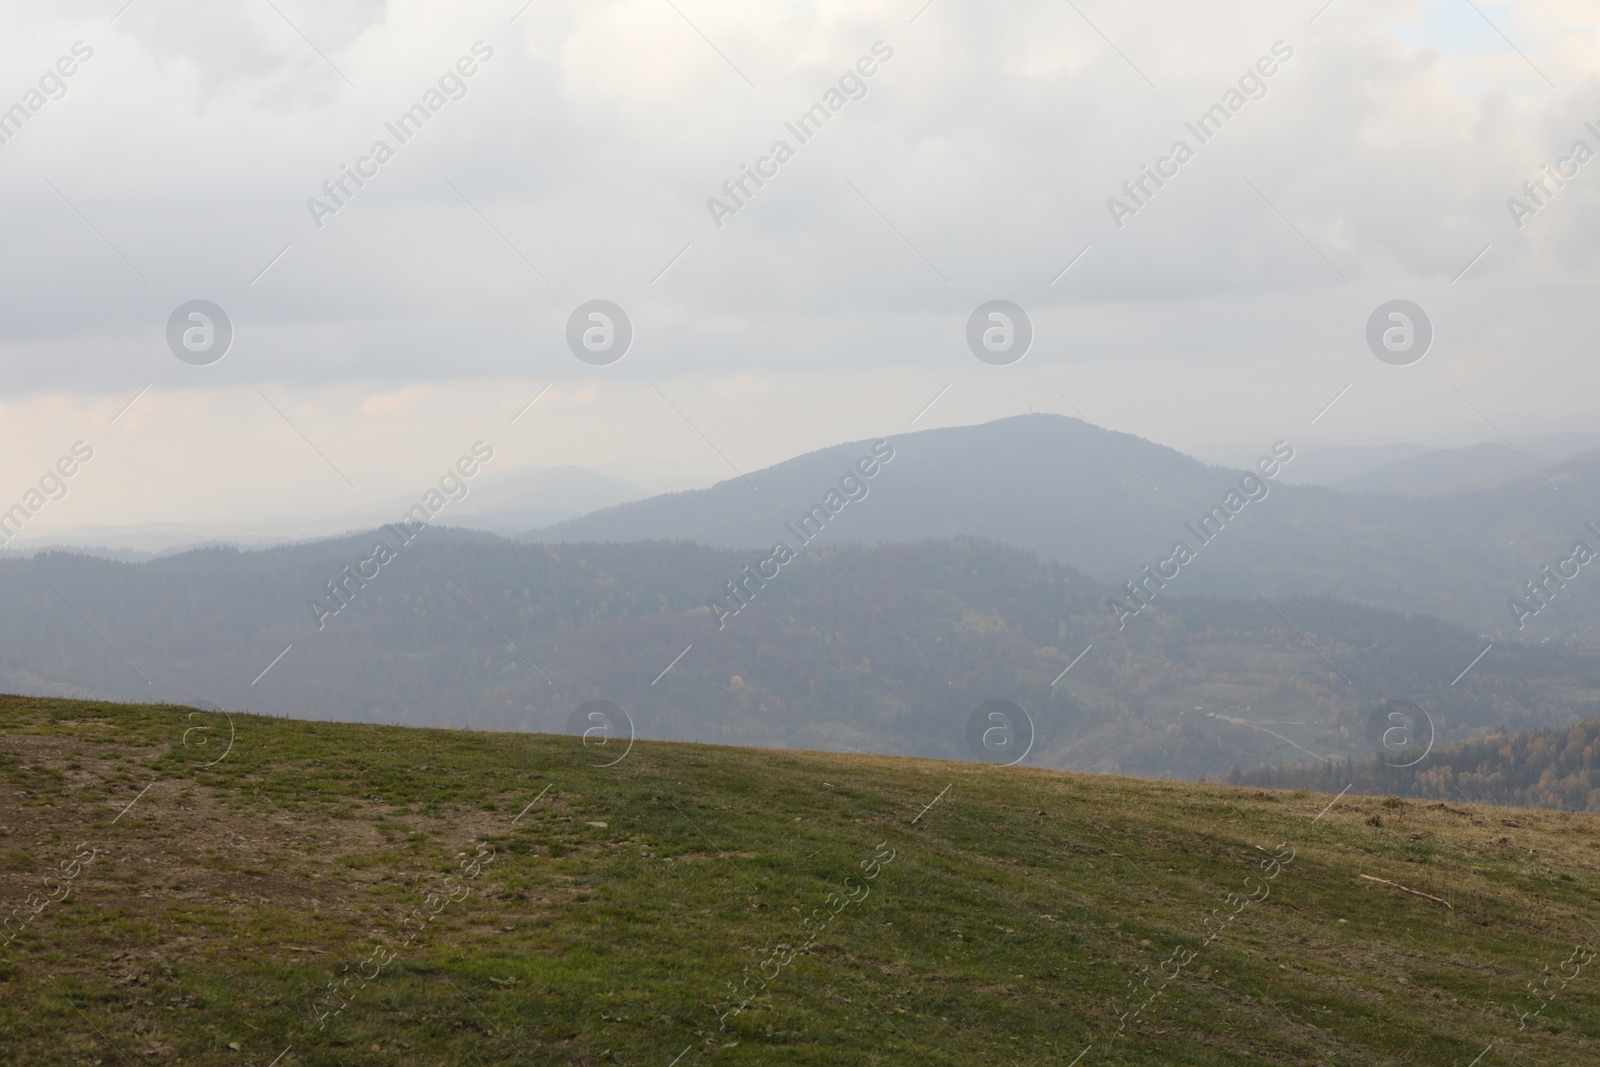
<point>1454,533</point>
<point>890,649</point>
<point>1440,473</point>
<point>1390,468</point>
<point>1453,470</point>
<point>871,595</point>
<point>1112,503</point>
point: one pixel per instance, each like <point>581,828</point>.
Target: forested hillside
<point>887,649</point>
<point>1558,767</point>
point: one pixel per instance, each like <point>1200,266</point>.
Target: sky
<point>381,329</point>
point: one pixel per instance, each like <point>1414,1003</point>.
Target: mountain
<point>1111,503</point>
<point>1438,470</point>
<point>1323,464</point>
<point>1241,656</point>
<point>1044,482</point>
<point>1457,470</point>
<point>1437,473</point>
<point>890,649</point>
<point>1559,445</point>
<point>146,540</point>
<point>213,890</point>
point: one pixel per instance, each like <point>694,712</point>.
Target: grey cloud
<point>991,143</point>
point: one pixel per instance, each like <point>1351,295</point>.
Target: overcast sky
<point>373,345</point>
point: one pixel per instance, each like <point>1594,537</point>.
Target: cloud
<point>978,164</point>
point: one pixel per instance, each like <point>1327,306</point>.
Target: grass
<point>564,913</point>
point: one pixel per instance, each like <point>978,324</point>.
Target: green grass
<point>1011,926</point>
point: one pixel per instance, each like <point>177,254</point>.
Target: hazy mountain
<point>887,649</point>
<point>1447,470</point>
<point>1044,482</point>
<point>146,540</point>
<point>1324,464</point>
<point>1110,503</point>
<point>1557,445</point>
<point>1414,469</point>
<point>1452,470</point>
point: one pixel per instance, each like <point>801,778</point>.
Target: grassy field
<point>182,887</point>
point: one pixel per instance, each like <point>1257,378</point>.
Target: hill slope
<point>321,894</point>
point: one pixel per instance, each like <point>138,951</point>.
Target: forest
<point>887,649</point>
<point>1555,767</point>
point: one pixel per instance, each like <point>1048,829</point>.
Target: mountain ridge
<point>888,648</point>
<point>1112,503</point>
